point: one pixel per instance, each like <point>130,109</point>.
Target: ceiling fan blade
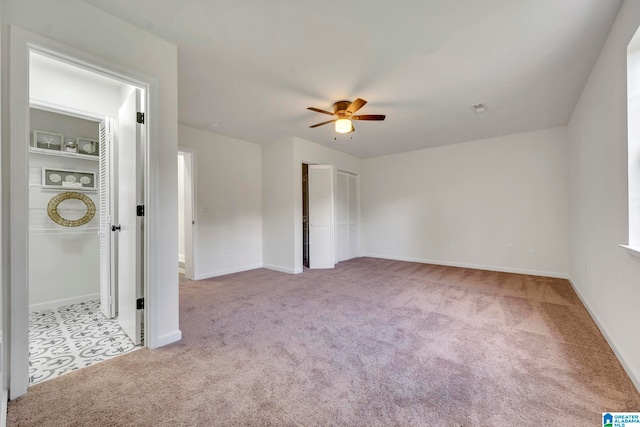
<point>317,110</point>
<point>356,105</point>
<point>369,117</point>
<point>323,123</point>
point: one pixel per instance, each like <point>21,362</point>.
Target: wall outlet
<point>531,249</point>
<point>205,210</point>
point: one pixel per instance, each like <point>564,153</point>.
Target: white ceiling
<point>254,66</point>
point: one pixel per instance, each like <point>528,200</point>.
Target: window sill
<point>634,252</point>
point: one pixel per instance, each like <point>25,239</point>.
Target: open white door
<point>321,217</point>
<point>130,195</point>
<point>107,245</point>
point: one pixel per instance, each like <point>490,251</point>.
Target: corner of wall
<point>633,373</point>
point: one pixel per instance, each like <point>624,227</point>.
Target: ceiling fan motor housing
<point>340,109</point>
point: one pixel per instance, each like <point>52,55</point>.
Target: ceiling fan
<point>343,111</point>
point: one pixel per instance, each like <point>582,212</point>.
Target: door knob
<point>115,228</point>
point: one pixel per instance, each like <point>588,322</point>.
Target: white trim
<point>633,374</point>
<point>634,252</point>
<point>227,271</point>
<point>18,206</point>
<point>22,43</point>
<point>473,266</point>
<point>50,305</point>
<point>181,270</point>
<point>169,338</point>
<point>68,111</point>
<point>180,257</point>
<point>3,407</point>
<point>281,269</point>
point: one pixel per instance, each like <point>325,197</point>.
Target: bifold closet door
<point>321,217</point>
<point>347,234</point>
<point>342,216</point>
<point>107,245</point>
<point>354,226</point>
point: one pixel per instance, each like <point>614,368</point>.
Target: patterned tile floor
<point>72,337</point>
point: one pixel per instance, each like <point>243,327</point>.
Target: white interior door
<point>130,195</point>
<point>108,271</point>
<point>321,217</point>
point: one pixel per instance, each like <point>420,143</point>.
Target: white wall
<point>282,197</point>
<point>228,229</point>
<point>58,84</point>
<point>463,204</point>
<point>278,206</point>
<point>82,26</point>
<point>606,277</point>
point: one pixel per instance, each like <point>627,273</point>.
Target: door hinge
<point>140,117</point>
<point>140,303</point>
<point>140,210</point>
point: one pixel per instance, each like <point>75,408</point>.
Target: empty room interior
<point>360,213</point>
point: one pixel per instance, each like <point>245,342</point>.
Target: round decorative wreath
<point>52,209</point>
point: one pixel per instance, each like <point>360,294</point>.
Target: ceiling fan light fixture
<point>343,125</point>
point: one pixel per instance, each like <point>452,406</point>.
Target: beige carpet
<point>370,343</point>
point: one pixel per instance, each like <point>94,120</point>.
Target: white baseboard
<point>217,273</point>
<point>181,270</point>
<point>169,338</point>
<point>50,305</point>
<point>181,258</point>
<point>634,375</point>
<point>4,395</point>
<point>473,266</point>
<point>3,407</point>
<point>281,269</point>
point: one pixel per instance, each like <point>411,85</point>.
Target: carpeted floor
<point>372,342</point>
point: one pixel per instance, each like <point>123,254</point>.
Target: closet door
<point>354,215</point>
<point>321,217</point>
<point>347,226</point>
<point>342,216</point>
<point>107,246</point>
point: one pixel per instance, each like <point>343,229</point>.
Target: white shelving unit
<point>61,188</point>
<point>64,154</point>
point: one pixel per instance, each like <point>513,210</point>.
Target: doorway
<point>305,215</point>
<point>85,237</point>
<point>186,216</point>
<point>330,216</point>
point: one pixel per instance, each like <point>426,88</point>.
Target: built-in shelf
<point>75,230</point>
<point>60,188</point>
<point>64,154</point>
<point>631,250</point>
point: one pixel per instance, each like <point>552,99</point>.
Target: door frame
<point>16,333</point>
<point>190,210</point>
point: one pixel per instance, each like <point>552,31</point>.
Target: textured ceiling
<point>254,66</point>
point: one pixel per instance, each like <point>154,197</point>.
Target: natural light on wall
<point>633,120</point>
